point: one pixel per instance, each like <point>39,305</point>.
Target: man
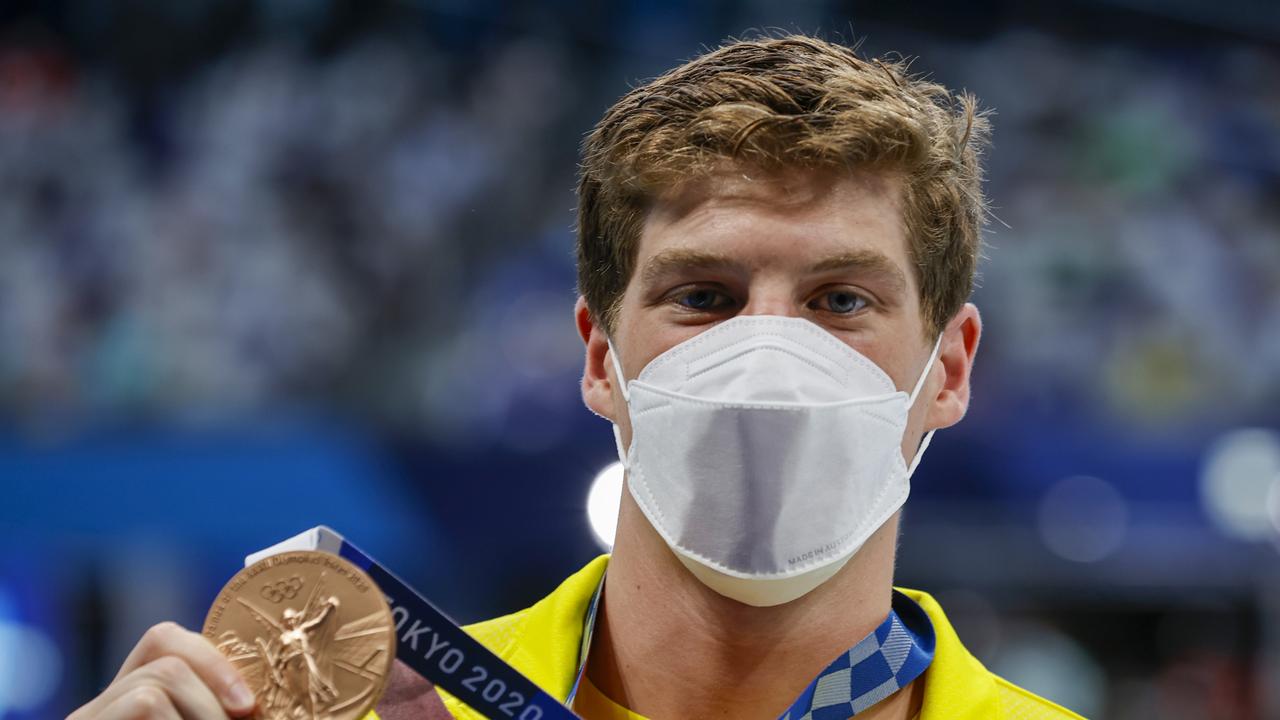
<point>776,244</point>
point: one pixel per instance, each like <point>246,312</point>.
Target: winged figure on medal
<point>294,665</point>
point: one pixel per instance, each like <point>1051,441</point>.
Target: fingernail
<point>239,696</point>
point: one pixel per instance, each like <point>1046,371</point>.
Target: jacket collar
<point>956,685</point>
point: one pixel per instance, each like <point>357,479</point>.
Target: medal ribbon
<point>894,654</point>
<point>435,646</point>
<point>882,663</point>
<point>885,661</point>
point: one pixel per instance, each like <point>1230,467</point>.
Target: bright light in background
<point>30,667</point>
<point>1239,482</point>
<point>1273,509</point>
<point>1050,663</point>
<point>602,504</point>
<point>1083,519</point>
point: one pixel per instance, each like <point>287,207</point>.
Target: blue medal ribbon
<point>894,654</point>
<point>442,652</point>
<point>884,662</point>
<point>888,659</point>
<point>435,646</point>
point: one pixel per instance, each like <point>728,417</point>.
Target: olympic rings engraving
<point>278,592</point>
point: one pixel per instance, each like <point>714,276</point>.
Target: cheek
<point>646,333</point>
<point>883,350</point>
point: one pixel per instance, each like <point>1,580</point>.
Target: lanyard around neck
<point>894,654</point>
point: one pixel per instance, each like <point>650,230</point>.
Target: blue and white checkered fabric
<point>888,659</point>
<point>885,661</point>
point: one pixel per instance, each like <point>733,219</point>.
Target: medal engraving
<point>311,634</point>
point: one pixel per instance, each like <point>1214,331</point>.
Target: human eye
<point>701,299</point>
<point>841,301</point>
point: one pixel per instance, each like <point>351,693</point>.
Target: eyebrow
<point>679,259</point>
<point>867,262</point>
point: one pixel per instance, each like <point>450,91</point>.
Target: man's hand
<point>173,674</point>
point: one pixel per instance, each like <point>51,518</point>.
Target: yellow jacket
<point>543,641</point>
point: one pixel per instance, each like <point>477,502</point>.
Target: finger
<point>144,702</point>
<point>189,694</point>
<point>171,676</point>
<point>201,656</point>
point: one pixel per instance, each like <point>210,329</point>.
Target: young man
<point>773,241</point>
<point>776,245</point>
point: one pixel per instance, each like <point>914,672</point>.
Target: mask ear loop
<point>617,370</point>
<point>626,395</point>
<point>915,392</point>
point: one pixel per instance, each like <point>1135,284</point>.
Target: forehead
<point>780,215</point>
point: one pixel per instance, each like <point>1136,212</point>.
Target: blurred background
<point>266,265</point>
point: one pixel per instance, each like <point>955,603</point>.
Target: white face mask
<point>765,452</point>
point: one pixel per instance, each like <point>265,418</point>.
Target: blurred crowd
<point>219,213</point>
<point>281,230</point>
<point>1140,264</point>
<point>385,225</point>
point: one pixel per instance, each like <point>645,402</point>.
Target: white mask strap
<point>924,445</point>
<point>928,437</point>
<point>622,452</point>
<point>924,374</point>
<point>617,370</point>
<point>626,395</point>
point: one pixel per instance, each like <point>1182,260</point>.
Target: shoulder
<point>541,642</point>
<point>958,685</point>
<point>501,633</point>
<point>1019,704</point>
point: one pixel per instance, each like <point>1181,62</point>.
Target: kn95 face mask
<point>765,451</point>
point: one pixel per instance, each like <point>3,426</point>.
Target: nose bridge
<point>771,294</point>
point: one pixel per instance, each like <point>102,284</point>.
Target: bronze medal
<point>311,634</point>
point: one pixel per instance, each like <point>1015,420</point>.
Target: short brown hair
<point>787,102</point>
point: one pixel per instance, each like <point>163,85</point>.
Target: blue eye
<point>842,302</point>
<point>701,299</point>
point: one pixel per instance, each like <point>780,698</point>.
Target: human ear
<point>955,357</point>
<point>597,371</point>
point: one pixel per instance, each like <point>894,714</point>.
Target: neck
<point>666,646</point>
